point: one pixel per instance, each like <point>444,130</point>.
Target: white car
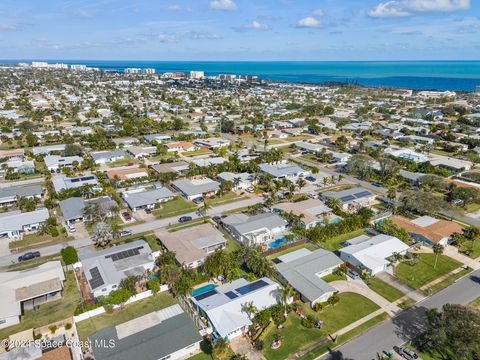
<point>71,228</point>
<point>250,190</point>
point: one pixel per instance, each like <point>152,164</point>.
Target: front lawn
<point>157,302</point>
<point>423,271</point>
<point>49,312</point>
<point>225,199</point>
<point>448,281</point>
<point>296,337</point>
<point>385,290</point>
<point>37,240</point>
<point>469,250</point>
<point>336,242</point>
<point>334,277</point>
<point>177,206</point>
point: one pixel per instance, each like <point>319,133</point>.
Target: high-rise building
<point>197,75</point>
<point>148,71</point>
<point>78,67</point>
<point>133,71</point>
<point>478,89</point>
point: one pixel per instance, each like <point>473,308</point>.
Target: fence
<point>284,247</point>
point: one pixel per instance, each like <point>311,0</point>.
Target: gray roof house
<point>44,150</point>
<point>351,199</point>
<point>62,182</point>
<point>284,171</point>
<point>141,199</point>
<point>255,230</point>
<point>157,137</point>
<point>106,268</point>
<point>14,223</point>
<point>102,157</point>
<point>165,334</point>
<point>73,208</point>
<point>11,194</point>
<point>196,188</point>
<point>22,290</point>
<point>304,269</point>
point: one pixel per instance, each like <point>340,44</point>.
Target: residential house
<point>103,157</point>
<point>192,245</point>
<point>63,182</point>
<point>284,171</point>
<point>146,199</point>
<point>55,163</point>
<point>255,230</point>
<point>164,334</point>
<point>239,181</point>
<point>180,146</point>
<point>351,199</point>
<point>10,195</point>
<point>126,173</point>
<point>373,254</point>
<point>21,166</point>
<point>428,230</point>
<point>157,138</point>
<point>104,269</point>
<point>196,188</point>
<point>303,270</point>
<point>211,143</point>
<point>311,212</point>
<point>140,152</point>
<point>173,167</point>
<point>14,224</point>
<point>223,308</point>
<point>27,289</point>
<point>73,209</point>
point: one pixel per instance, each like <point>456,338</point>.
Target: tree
<point>69,255</point>
<point>154,285</point>
<point>250,309</point>
<point>452,333</point>
<point>437,250</point>
<point>220,349</point>
<point>73,150</point>
<point>130,283</point>
<point>360,165</point>
<point>119,296</point>
<point>31,139</point>
<point>102,234</point>
<point>286,293</point>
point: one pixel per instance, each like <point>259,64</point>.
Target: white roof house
<point>224,306</point>
<point>372,254</point>
<point>13,223</point>
<point>25,289</point>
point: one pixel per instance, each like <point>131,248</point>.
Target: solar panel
<point>96,279</point>
<point>231,295</point>
<point>206,295</point>
<point>347,198</point>
<point>124,254</point>
<point>362,194</point>
<point>251,287</point>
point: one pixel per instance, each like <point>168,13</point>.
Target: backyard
<point>292,249</point>
<point>335,243</point>
<point>423,272</point>
<point>177,206</point>
<point>49,312</point>
<point>157,302</point>
<point>296,337</point>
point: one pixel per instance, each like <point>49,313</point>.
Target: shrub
<point>108,308</point>
<point>68,326</point>
<point>259,344</point>
<point>54,232</point>
<point>53,329</point>
<point>306,323</point>
<point>37,336</point>
<point>69,255</point>
<point>153,285</point>
<point>318,307</point>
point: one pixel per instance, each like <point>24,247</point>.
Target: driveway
<point>240,345</point>
<point>359,287</point>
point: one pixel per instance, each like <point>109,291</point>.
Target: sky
<point>240,30</point>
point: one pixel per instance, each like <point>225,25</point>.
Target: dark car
<point>127,216</point>
<point>377,184</point>
<point>185,219</point>
<point>198,200</point>
<point>124,233</point>
<point>310,178</point>
<point>29,256</point>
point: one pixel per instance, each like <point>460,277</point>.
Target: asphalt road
<point>407,324</point>
<point>82,244</point>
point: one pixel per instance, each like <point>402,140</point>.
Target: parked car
<point>377,184</point>
<point>185,219</point>
<point>29,256</point>
<point>124,233</point>
<point>148,210</point>
<point>71,228</point>
<point>310,178</point>
<point>407,353</point>
<point>217,219</point>
<point>353,274</point>
<point>126,215</point>
<point>250,190</point>
<point>312,195</point>
<point>198,200</point>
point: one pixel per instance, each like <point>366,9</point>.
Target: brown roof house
<point>428,230</point>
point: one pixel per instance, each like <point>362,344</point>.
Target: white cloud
<point>176,7</point>
<point>308,22</point>
<point>402,8</point>
<point>7,27</point>
<point>228,5</point>
<point>256,25</point>
<point>318,12</point>
<point>84,14</point>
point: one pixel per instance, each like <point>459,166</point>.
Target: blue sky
<point>240,29</point>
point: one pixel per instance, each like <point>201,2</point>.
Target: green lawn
<point>122,162</point>
<point>197,152</point>
<point>351,308</point>
<point>37,240</point>
<point>385,290</point>
<point>423,272</point>
<point>334,277</point>
<point>345,337</point>
<point>225,199</point>
<point>406,304</point>
<point>177,206</point>
<point>335,243</point>
<point>49,312</point>
<point>469,250</point>
<point>188,224</point>
<point>90,326</point>
<point>295,248</point>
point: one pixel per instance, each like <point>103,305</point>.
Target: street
<point>407,324</point>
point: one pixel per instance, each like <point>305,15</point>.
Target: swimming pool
<point>203,290</point>
<point>335,220</point>
<point>277,243</point>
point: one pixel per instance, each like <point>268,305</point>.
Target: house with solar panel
<point>351,199</point>
<point>104,269</point>
<point>223,308</point>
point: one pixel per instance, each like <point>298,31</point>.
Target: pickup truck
<point>29,256</point>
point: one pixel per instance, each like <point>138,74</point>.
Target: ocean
<point>419,75</point>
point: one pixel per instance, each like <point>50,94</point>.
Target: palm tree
<point>286,293</point>
<point>301,183</point>
<point>250,309</point>
<point>220,349</point>
<point>437,250</point>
